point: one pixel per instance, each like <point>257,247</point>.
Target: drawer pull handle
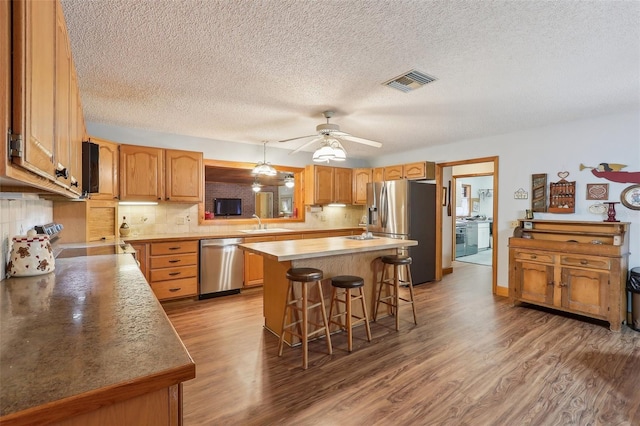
<point>175,248</point>
<point>550,283</point>
<point>562,285</point>
<point>584,262</point>
<point>533,256</point>
<point>173,274</point>
<point>173,290</point>
<point>174,261</point>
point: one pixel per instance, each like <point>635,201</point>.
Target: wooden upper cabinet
<point>155,174</point>
<point>108,188</point>
<point>361,177</point>
<point>343,185</point>
<point>378,174</point>
<point>326,185</point>
<point>34,83</point>
<point>141,173</point>
<point>417,170</point>
<point>44,97</point>
<point>184,176</point>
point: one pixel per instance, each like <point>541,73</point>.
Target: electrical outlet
<point>323,218</point>
<point>514,223</point>
<point>180,220</point>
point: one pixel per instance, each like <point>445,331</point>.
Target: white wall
<point>551,149</point>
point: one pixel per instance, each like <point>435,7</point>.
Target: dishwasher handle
<point>221,242</point>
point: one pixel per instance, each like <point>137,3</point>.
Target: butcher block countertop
<point>321,247</point>
<point>87,335</point>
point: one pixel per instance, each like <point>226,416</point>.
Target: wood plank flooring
<point>473,360</point>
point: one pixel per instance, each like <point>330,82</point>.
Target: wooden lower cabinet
<point>582,278</point>
<point>173,269</point>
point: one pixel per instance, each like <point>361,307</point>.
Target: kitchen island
<point>89,344</point>
<point>334,256</point>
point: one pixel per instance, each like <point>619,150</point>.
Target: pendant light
<point>255,186</point>
<point>329,150</point>
<point>289,181</point>
<point>263,168</point>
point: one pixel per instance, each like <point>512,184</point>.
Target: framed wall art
<point>630,197</point>
<point>539,192</point>
<point>597,191</point>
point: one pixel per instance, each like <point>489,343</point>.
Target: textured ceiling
<point>248,70</point>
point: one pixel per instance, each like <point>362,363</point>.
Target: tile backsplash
<point>16,218</point>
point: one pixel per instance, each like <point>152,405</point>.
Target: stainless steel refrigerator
<point>406,209</point>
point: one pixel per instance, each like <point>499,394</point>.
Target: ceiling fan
<point>331,137</point>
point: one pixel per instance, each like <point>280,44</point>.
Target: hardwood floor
<point>472,360</point>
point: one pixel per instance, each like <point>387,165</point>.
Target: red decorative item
<point>611,213</point>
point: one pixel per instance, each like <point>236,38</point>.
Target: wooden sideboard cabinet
<point>576,267</point>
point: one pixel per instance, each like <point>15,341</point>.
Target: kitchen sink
<point>264,231</point>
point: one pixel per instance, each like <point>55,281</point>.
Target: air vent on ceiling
<point>410,81</point>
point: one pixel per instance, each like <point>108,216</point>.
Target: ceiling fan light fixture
<point>263,168</point>
<point>256,187</point>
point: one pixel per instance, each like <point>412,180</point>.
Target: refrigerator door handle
<point>384,206</point>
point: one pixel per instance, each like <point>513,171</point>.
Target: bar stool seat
<point>348,283</point>
<point>302,305</point>
<point>393,299</point>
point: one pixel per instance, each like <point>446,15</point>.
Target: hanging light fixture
<point>255,186</point>
<point>289,182</point>
<point>263,168</point>
<point>329,150</point>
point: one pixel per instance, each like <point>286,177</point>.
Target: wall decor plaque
<point>597,191</point>
<point>539,192</point>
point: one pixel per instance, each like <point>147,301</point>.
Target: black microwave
<point>90,167</point>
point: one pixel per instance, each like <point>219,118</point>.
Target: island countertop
<point>84,336</point>
<point>322,247</point>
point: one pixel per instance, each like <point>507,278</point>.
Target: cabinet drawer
<point>174,247</point>
<point>585,262</point>
<point>538,257</point>
<point>175,260</point>
<point>176,288</point>
<point>173,273</point>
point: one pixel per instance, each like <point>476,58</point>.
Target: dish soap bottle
<point>124,228</point>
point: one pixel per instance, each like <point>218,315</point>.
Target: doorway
<point>447,215</point>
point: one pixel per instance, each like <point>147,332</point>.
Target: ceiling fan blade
<point>299,137</point>
<point>305,145</point>
<point>361,140</point>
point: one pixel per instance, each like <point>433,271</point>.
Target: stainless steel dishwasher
<point>221,267</point>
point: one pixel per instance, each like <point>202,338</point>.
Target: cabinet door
<point>483,235</point>
<point>323,184</point>
<point>62,100</point>
<point>534,282</point>
<point>34,50</point>
<point>393,172</point>
<point>184,175</point>
<point>415,170</point>
<point>361,177</point>
<point>253,269</point>
<point>108,170</point>
<point>343,182</point>
<point>378,174</point>
<point>76,133</point>
<point>141,257</point>
<point>141,173</point>
<point>585,291</point>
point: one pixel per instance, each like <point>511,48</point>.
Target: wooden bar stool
<point>302,304</point>
<point>348,283</point>
<point>392,300</point>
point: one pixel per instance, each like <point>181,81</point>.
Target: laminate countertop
<point>83,336</point>
<point>322,247</point>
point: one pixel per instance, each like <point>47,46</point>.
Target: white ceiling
<point>249,70</point>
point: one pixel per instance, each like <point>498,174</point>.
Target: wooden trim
<point>439,219</point>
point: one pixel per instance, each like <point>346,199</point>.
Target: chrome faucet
<point>259,221</point>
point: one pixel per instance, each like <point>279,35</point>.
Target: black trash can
<point>633,289</point>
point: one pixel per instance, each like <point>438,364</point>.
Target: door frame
<point>494,237</point>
